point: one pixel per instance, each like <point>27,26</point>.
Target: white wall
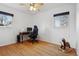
<point>20,21</point>
<point>77,28</point>
<point>45,22</point>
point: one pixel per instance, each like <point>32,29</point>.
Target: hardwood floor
<point>28,49</point>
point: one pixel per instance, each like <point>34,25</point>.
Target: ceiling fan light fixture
<point>34,9</point>
<point>32,6</point>
<point>35,6</point>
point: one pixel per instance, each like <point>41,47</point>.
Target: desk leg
<point>22,38</point>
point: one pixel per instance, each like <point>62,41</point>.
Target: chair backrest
<point>35,31</point>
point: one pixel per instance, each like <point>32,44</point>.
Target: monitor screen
<point>29,29</point>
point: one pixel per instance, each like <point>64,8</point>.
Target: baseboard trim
<point>7,44</point>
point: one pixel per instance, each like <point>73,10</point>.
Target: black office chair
<point>34,34</point>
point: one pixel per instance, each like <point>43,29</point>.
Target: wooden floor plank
<point>26,48</point>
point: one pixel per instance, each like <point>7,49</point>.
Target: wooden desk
<point>22,34</point>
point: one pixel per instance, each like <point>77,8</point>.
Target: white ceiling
<point>25,8</point>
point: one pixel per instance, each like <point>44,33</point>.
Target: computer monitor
<point>29,29</point>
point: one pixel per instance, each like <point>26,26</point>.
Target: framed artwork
<point>5,18</point>
<point>61,19</point>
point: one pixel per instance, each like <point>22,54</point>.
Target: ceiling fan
<point>33,6</point>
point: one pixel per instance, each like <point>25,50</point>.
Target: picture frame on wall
<point>61,19</point>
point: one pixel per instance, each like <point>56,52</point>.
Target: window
<point>5,18</point>
<point>61,19</point>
